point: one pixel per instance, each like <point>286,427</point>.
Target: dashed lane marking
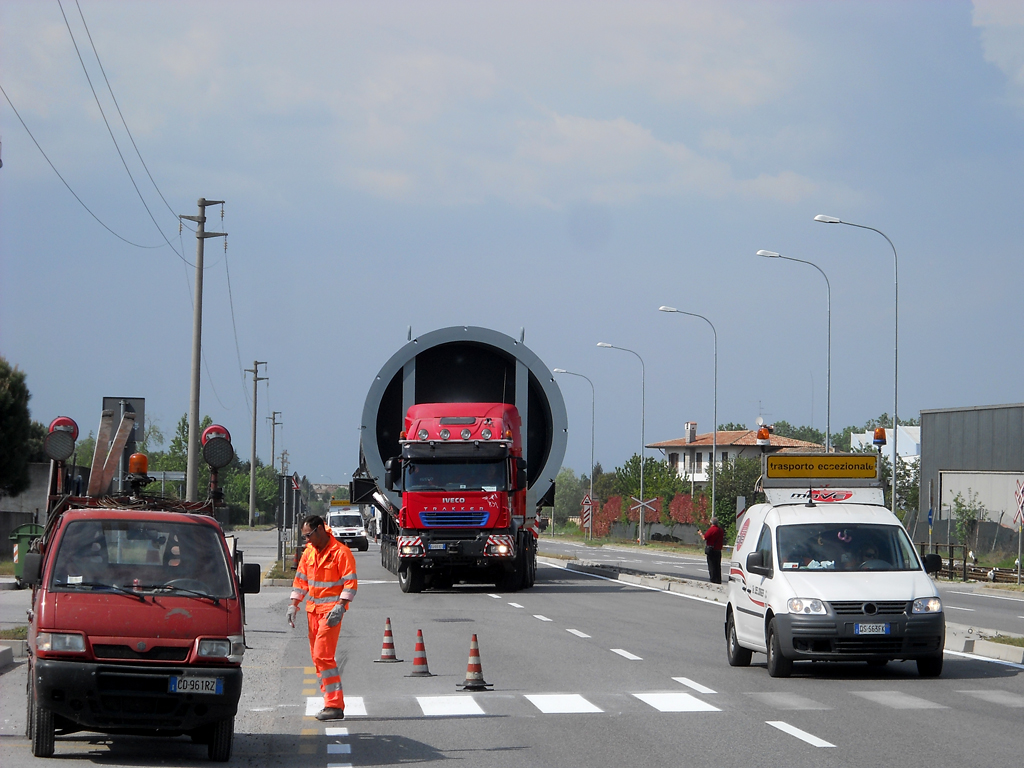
<point>626,654</point>
<point>792,730</point>
<point>495,596</point>
<point>309,692</point>
<point>339,749</point>
<point>791,701</point>
<point>898,700</point>
<point>515,605</point>
<point>449,706</point>
<point>691,684</point>
<point>1000,698</point>
<point>562,703</point>
<point>675,702</point>
<point>355,706</point>
<point>958,608</point>
<point>335,731</point>
<point>640,586</point>
<point>577,633</point>
<point>542,618</point>
<point>339,765</point>
<point>982,594</point>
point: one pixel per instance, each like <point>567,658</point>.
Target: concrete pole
<point>192,466</point>
<point>256,379</point>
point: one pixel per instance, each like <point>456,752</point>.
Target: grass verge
<point>14,633</point>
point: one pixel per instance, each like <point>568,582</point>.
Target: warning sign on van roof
<point>822,466</point>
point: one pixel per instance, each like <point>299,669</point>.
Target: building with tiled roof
<point>690,455</point>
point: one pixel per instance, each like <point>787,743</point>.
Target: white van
<point>346,523</point>
<point>824,572</point>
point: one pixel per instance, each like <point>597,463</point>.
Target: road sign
<point>1019,493</point>
<point>648,505</point>
<point>930,514</point>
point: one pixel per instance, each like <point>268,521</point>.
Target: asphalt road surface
<point>585,672</point>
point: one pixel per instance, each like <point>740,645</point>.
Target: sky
<point>565,168</point>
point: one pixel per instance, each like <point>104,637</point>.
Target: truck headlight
<point>59,642</point>
<point>928,605</point>
<point>803,605</point>
<point>499,549</point>
<point>411,550</point>
<point>217,648</point>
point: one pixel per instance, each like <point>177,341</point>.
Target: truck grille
<point>869,607</point>
<point>465,519</point>
<point>159,653</point>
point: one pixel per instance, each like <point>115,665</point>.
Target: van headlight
<point>219,649</point>
<point>928,605</point>
<point>60,642</point>
<point>803,605</point>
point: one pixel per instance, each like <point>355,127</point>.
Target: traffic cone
<point>419,660</point>
<point>474,673</point>
<point>387,650</point>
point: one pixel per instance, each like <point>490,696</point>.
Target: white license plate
<point>436,546</point>
<point>182,684</point>
<point>871,629</point>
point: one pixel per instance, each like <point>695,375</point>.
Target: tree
<point>604,483</point>
<point>733,479</point>
<point>967,512</point>
<point>569,492</point>
<point>807,434</point>
<point>732,427</point>
<point>15,430</point>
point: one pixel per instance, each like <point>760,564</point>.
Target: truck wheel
<point>930,666</point>
<point>42,731</point>
<point>219,748</point>
<point>778,665</point>
<point>530,570</point>
<point>738,655</point>
<point>410,578</point>
<point>509,580</point>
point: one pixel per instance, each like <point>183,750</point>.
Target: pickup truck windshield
<point>456,476</point>
<point>142,554</point>
<point>835,547</point>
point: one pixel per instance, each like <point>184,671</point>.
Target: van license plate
<point>214,685</point>
<point>436,546</point>
<point>871,629</point>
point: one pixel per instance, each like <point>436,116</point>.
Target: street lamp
<point>643,406</point>
<point>593,400</point>
<point>896,341</point>
<point>714,434</point>
<point>828,385</point>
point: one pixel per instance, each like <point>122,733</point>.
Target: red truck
<point>137,617</point>
<point>461,471</point>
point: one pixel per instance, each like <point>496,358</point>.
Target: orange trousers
<point>323,644</point>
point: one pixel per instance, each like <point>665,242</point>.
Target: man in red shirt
<point>714,540</point>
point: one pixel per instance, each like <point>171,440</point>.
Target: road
<point>585,672</point>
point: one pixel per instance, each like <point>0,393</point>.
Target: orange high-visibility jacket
<point>327,576</point>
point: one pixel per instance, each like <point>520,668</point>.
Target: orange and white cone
<point>474,672</point>
<point>419,658</point>
<point>387,650</point>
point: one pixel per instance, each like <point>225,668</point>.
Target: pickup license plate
<point>871,629</point>
<point>436,546</point>
<point>182,684</point>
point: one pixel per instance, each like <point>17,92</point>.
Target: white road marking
<point>814,741</point>
<point>691,684</point>
<point>515,605</point>
<point>794,701</point>
<point>1002,698</point>
<point>378,581</point>
<point>448,706</point>
<point>263,709</point>
<point>675,702</point>
<point>336,731</point>
<point>542,618</point>
<point>982,594</point>
<point>354,706</point>
<point>313,705</point>
<point>562,703</point>
<point>898,700</point>
<point>577,633</point>
<point>339,765</point>
<point>625,654</point>
<point>497,596</point>
<point>958,608</point>
<point>339,749</point>
<point>715,603</point>
<point>976,657</point>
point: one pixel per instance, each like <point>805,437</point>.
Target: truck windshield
<point>345,521</point>
<point>456,476</point>
<point>145,554</point>
<point>845,547</point>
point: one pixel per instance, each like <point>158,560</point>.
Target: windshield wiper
<point>174,588</point>
<point>99,585</point>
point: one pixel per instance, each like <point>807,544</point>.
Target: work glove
<point>292,610</point>
<point>334,617</point>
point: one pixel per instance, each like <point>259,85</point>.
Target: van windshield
<point>845,547</point>
<point>142,555</point>
<point>456,476</point>
<point>345,521</point>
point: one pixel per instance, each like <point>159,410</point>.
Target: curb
<point>6,656</point>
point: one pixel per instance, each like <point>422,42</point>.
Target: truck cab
<point>825,572</point>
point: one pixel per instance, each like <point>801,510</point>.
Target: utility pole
<point>256,379</point>
<point>192,468</point>
<point>274,424</point>
<point>284,462</point>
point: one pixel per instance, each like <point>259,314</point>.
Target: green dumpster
<point>22,536</point>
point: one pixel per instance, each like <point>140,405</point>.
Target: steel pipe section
<point>466,364</point>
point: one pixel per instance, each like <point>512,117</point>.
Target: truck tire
<point>219,747</point>
<point>930,666</point>
<point>42,731</point>
<point>30,702</point>
<point>737,654</point>
<point>410,578</point>
<point>509,580</point>
<point>778,665</point>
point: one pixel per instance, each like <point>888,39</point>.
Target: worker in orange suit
<point>327,575</point>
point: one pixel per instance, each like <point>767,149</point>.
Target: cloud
<point>1001,24</point>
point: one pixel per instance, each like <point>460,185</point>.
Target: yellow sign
<point>846,467</point>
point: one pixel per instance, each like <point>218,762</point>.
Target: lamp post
<point>714,434</point>
<point>896,341</point>
<point>593,401</point>
<point>643,406</point>
<point>828,385</point>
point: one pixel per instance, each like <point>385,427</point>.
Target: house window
<point>698,460</point>
<point>725,457</point>
<point>673,461</point>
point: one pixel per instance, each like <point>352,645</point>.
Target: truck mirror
<point>932,563</point>
<point>393,476</point>
<point>32,568</point>
<point>250,578</point>
<point>520,473</point>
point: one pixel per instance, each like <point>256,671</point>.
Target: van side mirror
<point>756,564</point>
<point>32,568</point>
<point>932,563</point>
<point>250,578</point>
<point>393,473</point>
<point>520,473</point>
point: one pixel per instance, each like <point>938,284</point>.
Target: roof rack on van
<point>802,478</point>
